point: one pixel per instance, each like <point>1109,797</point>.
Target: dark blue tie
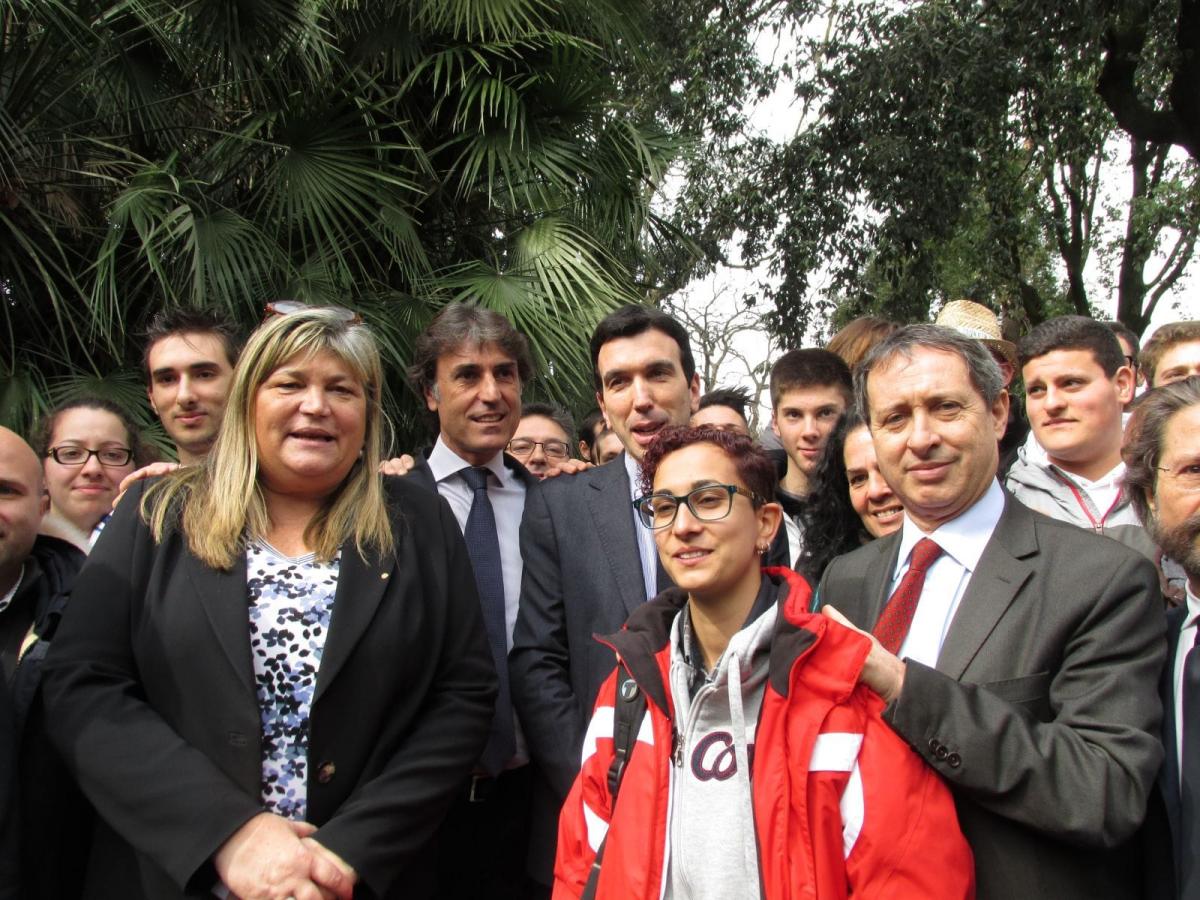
<point>483,546</point>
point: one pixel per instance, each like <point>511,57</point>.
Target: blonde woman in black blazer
<point>156,700</point>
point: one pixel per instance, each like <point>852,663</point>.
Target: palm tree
<point>391,156</point>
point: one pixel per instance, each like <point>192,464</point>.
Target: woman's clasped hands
<point>273,858</point>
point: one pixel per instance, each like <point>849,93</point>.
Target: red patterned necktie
<point>892,627</point>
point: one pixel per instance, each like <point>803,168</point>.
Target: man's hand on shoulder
<point>399,465</point>
<point>570,467</point>
<point>883,672</point>
<point>151,471</point>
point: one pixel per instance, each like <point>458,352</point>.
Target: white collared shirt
<point>508,505</point>
<point>962,540</point>
<point>1187,638</point>
<point>1103,492</point>
<point>507,494</point>
<point>647,548</point>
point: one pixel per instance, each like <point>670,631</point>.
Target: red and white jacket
<point>842,805</point>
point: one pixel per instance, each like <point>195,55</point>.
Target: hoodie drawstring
<point>741,761</point>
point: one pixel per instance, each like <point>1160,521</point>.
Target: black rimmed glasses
<point>708,503</point>
<point>287,307</point>
<point>553,449</point>
<point>71,455</point>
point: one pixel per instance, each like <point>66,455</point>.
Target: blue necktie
<point>483,546</point>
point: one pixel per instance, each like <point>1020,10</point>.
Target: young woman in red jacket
<point>760,769</point>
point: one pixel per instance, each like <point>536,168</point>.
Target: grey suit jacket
<point>582,577</point>
<point>1042,713</point>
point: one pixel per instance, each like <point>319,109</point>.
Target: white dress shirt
<point>507,493</point>
<point>962,540</point>
<point>647,548</point>
<point>1187,638</point>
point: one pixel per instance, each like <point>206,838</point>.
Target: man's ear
<point>1125,383</point>
<point>431,399</point>
<point>150,397</point>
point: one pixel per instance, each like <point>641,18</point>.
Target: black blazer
<point>151,697</point>
<point>1042,712</point>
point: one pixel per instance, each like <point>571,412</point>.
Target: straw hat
<point>974,320</point>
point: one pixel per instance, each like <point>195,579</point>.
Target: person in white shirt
<point>470,366</point>
<point>1162,458</point>
<point>1076,386</point>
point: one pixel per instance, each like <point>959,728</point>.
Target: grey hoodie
<point>1045,488</point>
<point>712,846</point>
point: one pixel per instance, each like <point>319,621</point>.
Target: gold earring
<point>762,547</point>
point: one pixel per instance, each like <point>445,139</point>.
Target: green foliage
<point>391,156</point>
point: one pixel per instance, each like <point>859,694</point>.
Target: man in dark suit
<point>1162,458</point>
<point>587,563</point>
<point>1018,655</point>
<point>470,365</point>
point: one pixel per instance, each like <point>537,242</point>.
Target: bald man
<point>36,573</point>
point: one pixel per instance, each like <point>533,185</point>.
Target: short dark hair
<point>811,367</point>
<point>1142,451</point>
<point>1073,333</point>
<point>587,428</point>
<point>632,320</point>
<point>982,368</point>
<point>43,432</point>
<point>754,465</point>
<point>736,399</point>
<point>183,320</point>
<point>465,323</point>
<point>1121,330</point>
<point>1163,340</point>
<point>553,412</point>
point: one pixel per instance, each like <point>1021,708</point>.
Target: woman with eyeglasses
<point>87,446</point>
<point>759,767</point>
<point>274,677</point>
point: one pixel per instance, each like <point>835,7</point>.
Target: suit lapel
<point>877,581</point>
<point>608,501</point>
<point>361,586</point>
<point>995,583</point>
<point>223,597</point>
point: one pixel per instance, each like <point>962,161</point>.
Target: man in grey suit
<point>587,564</point>
<point>1017,655</point>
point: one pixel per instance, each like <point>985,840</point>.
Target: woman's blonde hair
<point>220,502</point>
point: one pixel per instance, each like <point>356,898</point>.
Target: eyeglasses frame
<point>53,454</point>
<point>682,499</point>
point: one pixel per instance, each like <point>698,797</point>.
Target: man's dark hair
<point>632,320</point>
<point>812,367</point>
<point>554,413</point>
<point>183,320</point>
<point>736,399</point>
<point>1121,330</point>
<point>1073,333</point>
<point>1144,438</point>
<point>587,428</point>
<point>982,368</point>
<point>465,323</point>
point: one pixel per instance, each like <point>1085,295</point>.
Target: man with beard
<point>1162,457</point>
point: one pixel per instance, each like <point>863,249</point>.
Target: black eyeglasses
<point>553,449</point>
<point>71,455</point>
<point>708,503</point>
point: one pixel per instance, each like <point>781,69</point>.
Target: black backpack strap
<point>627,721</point>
